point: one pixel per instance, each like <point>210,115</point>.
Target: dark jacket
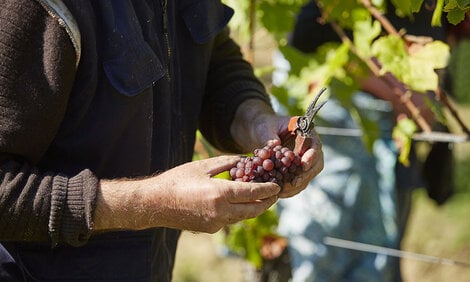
<point>148,78</point>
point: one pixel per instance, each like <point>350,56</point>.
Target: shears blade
<point>313,108</point>
<point>305,123</point>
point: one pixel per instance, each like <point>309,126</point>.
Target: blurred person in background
<point>360,195</point>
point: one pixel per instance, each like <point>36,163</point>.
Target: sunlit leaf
<point>391,52</point>
<point>402,134</point>
<point>422,76</point>
<point>365,31</point>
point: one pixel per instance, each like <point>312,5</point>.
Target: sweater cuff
<point>73,201</point>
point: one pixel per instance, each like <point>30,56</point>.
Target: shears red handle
<point>302,127</point>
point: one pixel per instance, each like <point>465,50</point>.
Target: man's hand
<point>312,163</point>
<point>255,125</point>
<point>185,197</point>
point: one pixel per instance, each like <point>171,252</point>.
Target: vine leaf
<point>391,52</point>
<point>402,134</point>
<point>365,31</point>
<point>246,237</point>
<point>422,76</point>
<point>416,70</point>
<point>456,10</point>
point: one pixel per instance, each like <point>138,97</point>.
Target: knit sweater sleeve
<point>231,81</point>
<point>37,69</point>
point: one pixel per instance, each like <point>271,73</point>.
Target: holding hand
<point>186,197</point>
<point>257,121</point>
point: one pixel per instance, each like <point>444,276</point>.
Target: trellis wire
<point>434,136</point>
<point>363,247</point>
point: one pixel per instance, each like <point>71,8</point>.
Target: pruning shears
<point>302,127</point>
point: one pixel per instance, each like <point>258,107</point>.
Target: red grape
<point>269,164</point>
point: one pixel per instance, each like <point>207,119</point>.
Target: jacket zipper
<point>166,36</point>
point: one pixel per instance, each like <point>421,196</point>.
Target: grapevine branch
<point>440,94</point>
<point>251,43</point>
<point>443,98</point>
<point>380,17</point>
<point>390,79</point>
<point>397,87</point>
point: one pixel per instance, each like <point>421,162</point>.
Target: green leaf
<point>417,70</point>
<point>252,249</point>
<point>343,90</point>
<point>340,11</point>
<point>402,134</point>
<point>335,60</point>
<point>450,5</point>
<point>403,5</point>
<point>455,16</point>
<point>365,31</point>
<point>416,5</point>
<point>246,237</point>
<point>238,23</point>
<point>422,76</point>
<point>391,52</point>
<point>462,4</point>
<point>297,59</point>
<point>408,7</point>
<point>223,175</point>
<point>456,10</point>
<point>278,17</point>
<point>268,220</point>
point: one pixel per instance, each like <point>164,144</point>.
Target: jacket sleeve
<point>231,81</point>
<point>37,69</point>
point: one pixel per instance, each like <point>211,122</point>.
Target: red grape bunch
<point>275,164</point>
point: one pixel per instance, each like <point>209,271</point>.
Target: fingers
<point>313,155</point>
<point>249,192</point>
<point>243,211</point>
<point>301,181</point>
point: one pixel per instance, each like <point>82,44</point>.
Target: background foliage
<point>369,45</point>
